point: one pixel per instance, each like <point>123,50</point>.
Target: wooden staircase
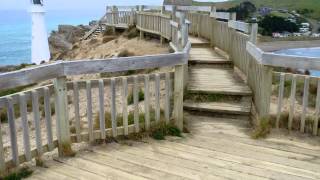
<point>213,86</point>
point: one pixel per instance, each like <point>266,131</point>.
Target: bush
<point>21,174</point>
<point>131,32</point>
<point>263,129</point>
<point>125,53</point>
<point>140,97</point>
<point>108,31</point>
<point>160,131</point>
<point>270,24</point>
<point>107,39</point>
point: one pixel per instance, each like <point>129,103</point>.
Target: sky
<point>78,4</point>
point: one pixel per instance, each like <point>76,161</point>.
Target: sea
<point>304,52</point>
<point>15,31</point>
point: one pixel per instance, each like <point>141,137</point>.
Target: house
<point>263,11</point>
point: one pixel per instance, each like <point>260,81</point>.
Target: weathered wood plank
<point>101,110</point>
<point>280,99</point>
<point>178,96</point>
<point>316,120</point>
<point>167,98</point>
<point>25,126</point>
<point>147,102</point>
<point>47,110</point>
<point>13,132</point>
<point>157,98</point>
<point>2,157</point>
<point>136,103</point>
<point>76,109</point>
<point>122,64</point>
<point>113,107</point>
<point>125,105</point>
<point>89,111</point>
<point>36,118</point>
<point>292,101</point>
<point>305,103</point>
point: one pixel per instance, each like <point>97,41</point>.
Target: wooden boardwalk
<point>216,148</point>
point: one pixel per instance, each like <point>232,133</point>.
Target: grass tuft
<point>140,97</point>
<point>20,174</point>
<point>263,128</point>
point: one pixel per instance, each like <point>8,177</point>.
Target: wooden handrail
<point>67,68</point>
<point>280,60</point>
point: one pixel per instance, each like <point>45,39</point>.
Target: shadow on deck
<point>215,149</point>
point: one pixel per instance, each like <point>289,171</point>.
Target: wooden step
<point>240,108</point>
<point>206,56</point>
<point>216,81</point>
<point>199,42</point>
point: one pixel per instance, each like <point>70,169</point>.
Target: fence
<point>81,105</point>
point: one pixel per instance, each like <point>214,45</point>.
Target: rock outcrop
<point>61,41</point>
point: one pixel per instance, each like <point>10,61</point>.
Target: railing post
<point>163,9</point>
<point>212,15</point>
<point>180,75</point>
<point>261,80</point>
<point>141,32</point>
<point>114,18</point>
<point>233,17</point>
<point>61,106</point>
<point>184,40</point>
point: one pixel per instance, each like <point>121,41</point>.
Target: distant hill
<point>313,5</point>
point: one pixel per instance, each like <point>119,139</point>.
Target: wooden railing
<point>68,112</point>
<point>298,96</point>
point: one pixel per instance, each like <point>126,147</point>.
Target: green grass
<point>158,131</point>
<point>21,174</point>
<point>201,97</point>
<point>275,4</point>
<point>140,97</point>
<point>263,129</point>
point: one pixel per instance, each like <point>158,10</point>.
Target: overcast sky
<point>78,4</point>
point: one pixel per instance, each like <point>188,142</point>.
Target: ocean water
<point>15,31</point>
<point>305,52</point>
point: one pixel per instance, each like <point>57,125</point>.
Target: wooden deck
<point>215,149</point>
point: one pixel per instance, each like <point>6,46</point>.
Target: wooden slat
<point>2,158</point>
<point>305,103</point>
<point>280,98</point>
<point>47,110</point>
<point>36,117</point>
<point>157,97</point>
<point>167,98</point>
<point>125,104</point>
<point>292,101</point>
<point>113,107</point>
<point>147,102</point>
<point>89,111</point>
<point>178,96</point>
<point>136,103</point>
<point>122,64</point>
<point>101,110</point>
<point>316,120</point>
<point>25,126</point>
<point>13,133</point>
<point>76,109</point>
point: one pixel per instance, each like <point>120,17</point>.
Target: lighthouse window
<point>37,2</point>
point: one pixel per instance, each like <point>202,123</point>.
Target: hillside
<point>287,4</point>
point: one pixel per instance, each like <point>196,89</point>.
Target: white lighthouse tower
<point>40,46</point>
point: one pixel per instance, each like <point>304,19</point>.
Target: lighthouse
<point>40,46</point>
